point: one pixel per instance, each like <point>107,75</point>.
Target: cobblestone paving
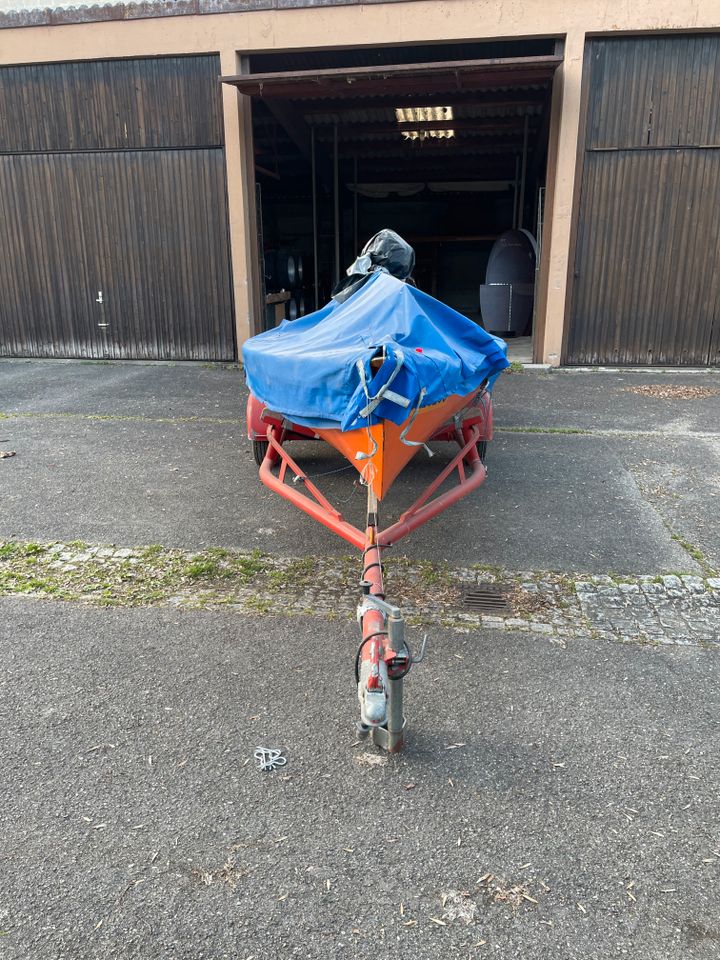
<point>668,609</point>
<point>671,609</point>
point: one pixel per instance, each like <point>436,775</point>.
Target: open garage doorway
<point>446,144</point>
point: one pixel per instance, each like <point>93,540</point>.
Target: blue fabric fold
<point>308,369</point>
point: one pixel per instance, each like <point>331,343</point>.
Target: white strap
<point>403,435</point>
<point>396,398</point>
<point>384,393</point>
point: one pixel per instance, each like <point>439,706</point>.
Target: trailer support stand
<point>392,736</point>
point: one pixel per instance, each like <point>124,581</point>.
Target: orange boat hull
<point>391,455</point>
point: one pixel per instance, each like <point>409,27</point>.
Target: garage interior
<point>446,144</point>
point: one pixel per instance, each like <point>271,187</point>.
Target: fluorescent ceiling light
<point>417,115</point>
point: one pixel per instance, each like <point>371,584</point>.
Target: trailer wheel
<point>260,448</point>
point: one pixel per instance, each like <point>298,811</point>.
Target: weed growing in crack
<point>201,568</point>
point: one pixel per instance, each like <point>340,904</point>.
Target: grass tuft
<point>691,550</point>
<point>202,568</point>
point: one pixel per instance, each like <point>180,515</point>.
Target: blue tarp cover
<point>308,369</point>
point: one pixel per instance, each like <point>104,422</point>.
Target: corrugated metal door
<point>113,219</point>
<point>646,285</point>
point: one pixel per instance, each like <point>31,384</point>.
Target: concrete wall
<point>419,21</point>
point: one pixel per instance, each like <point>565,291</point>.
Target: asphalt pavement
<point>556,799</point>
<point>551,802</point>
<point>141,453</point>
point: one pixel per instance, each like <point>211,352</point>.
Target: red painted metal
<point>259,418</point>
<point>256,426</point>
<point>479,414</point>
<point>374,632</point>
<point>319,508</point>
<point>425,509</point>
<point>375,646</point>
<point>373,621</point>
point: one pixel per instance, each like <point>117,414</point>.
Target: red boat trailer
<point>384,657</point>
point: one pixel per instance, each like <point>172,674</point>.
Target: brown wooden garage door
<point>646,286</point>
<point>113,235</point>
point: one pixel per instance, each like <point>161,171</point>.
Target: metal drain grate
<point>486,598</point>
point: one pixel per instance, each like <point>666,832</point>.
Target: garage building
<point>151,211</point>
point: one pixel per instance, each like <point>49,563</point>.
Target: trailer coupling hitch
<point>378,674</point>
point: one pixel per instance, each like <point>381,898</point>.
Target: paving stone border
<point>667,609</point>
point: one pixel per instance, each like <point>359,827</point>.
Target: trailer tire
<point>260,448</point>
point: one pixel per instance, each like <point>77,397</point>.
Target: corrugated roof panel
<point>407,83</point>
<point>322,114</point>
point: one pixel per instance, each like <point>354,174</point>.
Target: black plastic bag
<point>386,251</point>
